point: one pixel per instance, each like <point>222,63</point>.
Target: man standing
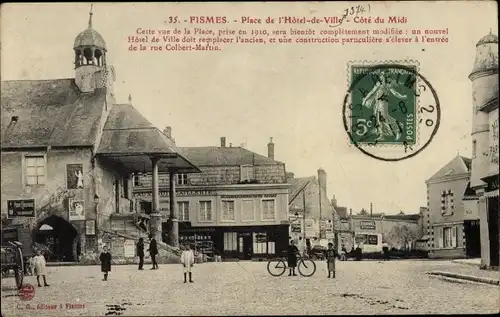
<point>153,251</point>
<point>140,252</point>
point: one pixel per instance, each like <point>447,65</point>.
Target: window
<point>259,243</point>
<point>247,210</point>
<point>35,170</point>
<point>447,202</point>
<point>372,239</point>
<point>183,207</point>
<point>137,180</point>
<point>206,211</point>
<point>182,179</point>
<point>246,173</point>
<point>474,148</point>
<point>227,210</point>
<point>230,241</point>
<point>447,237</point>
<point>268,209</point>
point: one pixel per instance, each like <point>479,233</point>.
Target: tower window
<point>87,54</point>
<point>98,57</point>
<point>474,148</point>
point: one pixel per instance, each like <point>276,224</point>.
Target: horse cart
<point>16,249</point>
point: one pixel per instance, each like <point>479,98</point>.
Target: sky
<point>249,93</point>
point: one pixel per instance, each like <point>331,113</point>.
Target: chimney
<point>371,210</point>
<point>350,212</point>
<point>270,149</point>
<point>129,99</point>
<point>223,141</point>
<point>322,179</point>
<point>230,144</point>
<point>168,132</point>
<point>334,201</point>
<point>289,175</point>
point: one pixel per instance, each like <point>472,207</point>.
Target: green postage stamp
<point>383,108</point>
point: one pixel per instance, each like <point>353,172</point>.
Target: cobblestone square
<point>246,288</point>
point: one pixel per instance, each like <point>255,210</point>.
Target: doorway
<point>493,224</point>
<point>472,238</point>
<point>245,246</point>
<point>59,236</point>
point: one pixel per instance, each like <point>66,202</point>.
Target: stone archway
<point>62,239</point>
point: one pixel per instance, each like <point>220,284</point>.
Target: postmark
<point>27,292</point>
<point>390,112</point>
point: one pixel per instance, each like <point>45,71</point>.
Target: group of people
<point>187,258</point>
<point>293,252</point>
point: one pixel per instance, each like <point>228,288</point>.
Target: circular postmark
<point>27,292</point>
<point>390,112</point>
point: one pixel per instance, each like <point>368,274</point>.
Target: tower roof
<point>488,38</point>
<point>90,37</point>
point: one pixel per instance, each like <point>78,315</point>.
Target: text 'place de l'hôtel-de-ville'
<point>80,170</point>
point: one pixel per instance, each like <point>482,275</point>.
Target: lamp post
<point>97,230</point>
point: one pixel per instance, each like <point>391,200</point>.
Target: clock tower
<point>91,70</point>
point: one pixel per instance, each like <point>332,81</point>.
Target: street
<point>246,288</point>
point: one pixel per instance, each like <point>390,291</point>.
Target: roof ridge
<point>39,80</point>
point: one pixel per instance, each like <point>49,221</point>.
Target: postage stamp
<point>387,107</point>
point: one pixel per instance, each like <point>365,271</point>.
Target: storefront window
<point>230,241</point>
<point>260,243</point>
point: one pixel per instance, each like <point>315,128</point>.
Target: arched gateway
<point>60,236</point>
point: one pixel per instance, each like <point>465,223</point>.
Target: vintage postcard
<point>249,158</point>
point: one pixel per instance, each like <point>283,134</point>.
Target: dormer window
<point>182,179</point>
<point>247,173</point>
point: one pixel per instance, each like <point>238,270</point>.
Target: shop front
<point>236,242</point>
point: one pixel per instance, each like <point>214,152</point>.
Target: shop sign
<point>90,227</point>
<point>367,225</point>
<point>330,235</point>
<point>21,208</point>
<point>178,193</point>
<point>285,222</point>
<point>296,228</point>
<point>248,196</point>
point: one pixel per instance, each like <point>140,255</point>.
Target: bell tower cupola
<point>90,57</point>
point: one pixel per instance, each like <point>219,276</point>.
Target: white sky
<point>249,93</point>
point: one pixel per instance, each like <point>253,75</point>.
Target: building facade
<point>237,207</point>
<point>452,217</point>
<point>63,144</point>
<point>484,178</point>
<point>321,220</point>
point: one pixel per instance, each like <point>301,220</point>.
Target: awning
<point>46,227</point>
<point>492,182</point>
<point>141,162</point>
<point>424,238</point>
<point>491,194</point>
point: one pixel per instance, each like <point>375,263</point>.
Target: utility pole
<point>371,210</point>
<point>304,214</point>
<point>320,220</point>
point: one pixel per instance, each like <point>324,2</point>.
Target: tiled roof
<point>297,184</point>
<point>224,156</point>
<point>458,165</point>
<point>469,193</point>
<point>342,212</point>
<point>127,131</point>
<point>49,112</point>
<point>403,217</point>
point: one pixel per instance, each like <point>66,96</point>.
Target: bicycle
<point>303,264</point>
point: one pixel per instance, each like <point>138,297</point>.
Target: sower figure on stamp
<point>385,124</point>
<point>330,260</point>
<point>187,260</point>
<point>105,258</point>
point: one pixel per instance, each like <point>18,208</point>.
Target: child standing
<point>330,260</point>
<point>40,268</point>
<point>187,260</point>
<point>105,258</point>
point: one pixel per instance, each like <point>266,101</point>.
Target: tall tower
<point>91,71</point>
<point>484,78</point>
